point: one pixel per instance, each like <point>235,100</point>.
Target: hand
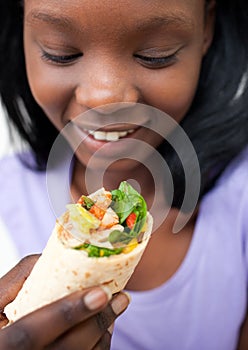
<point>78,321</point>
<point>11,283</point>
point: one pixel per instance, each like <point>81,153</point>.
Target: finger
<point>54,319</point>
<point>3,319</point>
<point>104,343</point>
<point>87,334</point>
<point>11,283</point>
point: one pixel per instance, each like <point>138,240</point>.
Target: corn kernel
<point>131,245</point>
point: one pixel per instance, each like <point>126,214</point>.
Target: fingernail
<point>128,296</point>
<point>107,291</point>
<point>97,297</point>
<point>120,302</point>
<point>111,329</point>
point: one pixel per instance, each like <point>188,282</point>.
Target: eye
<point>60,59</point>
<point>157,62</point>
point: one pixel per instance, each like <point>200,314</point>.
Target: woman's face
<point>84,54</point>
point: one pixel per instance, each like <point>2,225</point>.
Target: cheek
<point>50,87</point>
<point>173,89</point>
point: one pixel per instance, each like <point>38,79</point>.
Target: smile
<point>108,135</point>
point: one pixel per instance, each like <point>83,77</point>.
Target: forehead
<point>114,13</point>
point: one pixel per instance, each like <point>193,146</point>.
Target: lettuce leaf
<point>83,220</point>
<point>126,200</point>
<point>98,252</point>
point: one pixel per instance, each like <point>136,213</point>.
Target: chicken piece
<point>110,219</point>
<point>102,198</point>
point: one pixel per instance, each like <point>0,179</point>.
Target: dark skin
<point>74,324</point>
<point>106,55</point>
<point>243,338</point>
<point>102,53</point>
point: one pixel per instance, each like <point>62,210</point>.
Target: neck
<point>87,181</point>
<point>165,251</point>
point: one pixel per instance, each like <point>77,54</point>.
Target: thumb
<point>11,283</point>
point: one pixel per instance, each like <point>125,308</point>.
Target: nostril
<point>113,107</point>
<point>131,95</point>
<point>107,99</point>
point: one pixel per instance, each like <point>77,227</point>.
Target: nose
<point>106,89</point>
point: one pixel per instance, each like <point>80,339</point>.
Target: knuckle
<point>67,312</point>
<point>19,339</point>
<point>24,261</point>
<point>104,319</point>
<point>26,264</point>
<point>29,259</point>
<point>104,343</point>
<point>58,345</point>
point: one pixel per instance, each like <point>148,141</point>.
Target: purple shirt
<point>202,306</point>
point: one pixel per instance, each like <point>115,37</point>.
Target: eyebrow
<point>49,18</point>
<point>169,19</point>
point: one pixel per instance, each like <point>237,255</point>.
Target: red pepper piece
<point>130,220</point>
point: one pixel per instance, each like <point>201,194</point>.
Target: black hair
<point>28,118</point>
<point>217,122</point>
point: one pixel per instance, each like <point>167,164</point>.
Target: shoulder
<point>21,185</point>
<point>233,180</point>
<point>17,178</point>
<point>227,201</point>
<point>14,162</point>
<point>236,174</point>
<point>25,209</point>
<point>19,182</point>
<point>17,165</point>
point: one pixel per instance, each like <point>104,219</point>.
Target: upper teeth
<point>108,135</point>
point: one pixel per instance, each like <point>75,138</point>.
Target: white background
<point>4,139</point>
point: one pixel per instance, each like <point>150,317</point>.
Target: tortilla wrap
<point>62,270</point>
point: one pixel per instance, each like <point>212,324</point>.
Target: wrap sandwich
<point>98,240</point>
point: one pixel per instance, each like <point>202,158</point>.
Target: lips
<point>112,126</point>
<point>111,136</point>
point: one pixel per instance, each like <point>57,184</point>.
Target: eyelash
<point>150,62</point>
<point>63,59</point>
<point>157,62</point>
